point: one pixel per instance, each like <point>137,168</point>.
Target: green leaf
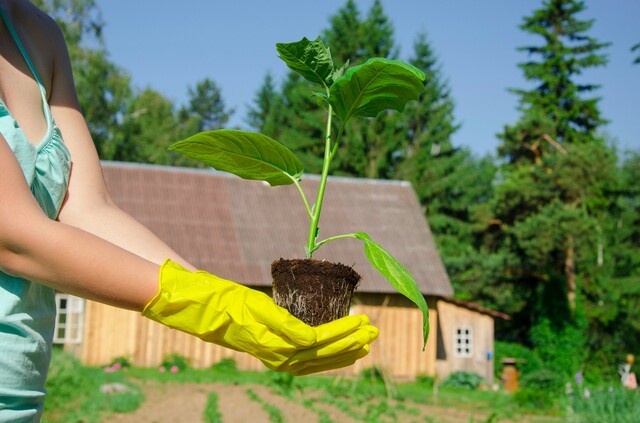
<point>249,155</point>
<point>311,59</point>
<point>378,84</point>
<point>398,276</point>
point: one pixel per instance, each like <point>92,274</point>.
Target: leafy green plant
<point>347,92</point>
<point>604,404</point>
<point>173,363</point>
<point>212,412</point>
<point>528,360</point>
<point>462,379</point>
<point>226,365</point>
<point>275,415</point>
<point>125,402</point>
<point>540,389</point>
<point>118,363</point>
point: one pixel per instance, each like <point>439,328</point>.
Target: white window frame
<point>69,319</point>
<point>463,341</point>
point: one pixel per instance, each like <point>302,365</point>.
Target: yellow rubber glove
<point>234,316</point>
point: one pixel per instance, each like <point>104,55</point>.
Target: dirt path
<point>177,403</point>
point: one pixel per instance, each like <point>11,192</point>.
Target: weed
<point>211,412</point>
<point>604,404</point>
<point>275,415</point>
<point>125,402</point>
<point>226,365</point>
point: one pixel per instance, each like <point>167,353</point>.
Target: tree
<point>556,103</point>
<point>265,115</point>
<point>103,87</point>
<point>377,33</point>
<point>554,179</point>
<point>344,35</point>
<point>368,148</point>
<point>150,125</point>
<point>207,105</point>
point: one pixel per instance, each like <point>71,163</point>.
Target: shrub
<point>125,402</point>
<point>540,389</point>
<point>174,363</point>
<point>529,361</point>
<point>425,381</point>
<point>226,365</point>
<point>604,404</point>
<point>282,383</point>
<point>466,380</point>
<point>211,412</point>
<point>66,378</point>
<point>372,374</point>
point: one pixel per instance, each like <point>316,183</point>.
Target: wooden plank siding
<point>235,228</point>
<point>453,316</point>
<point>112,332</point>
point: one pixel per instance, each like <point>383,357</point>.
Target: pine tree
<point>207,105</point>
<point>554,112</point>
<point>452,185</point>
<point>634,48</point>
<point>265,115</point>
<point>344,36</point>
<point>553,188</point>
<point>366,148</point>
<point>378,33</point>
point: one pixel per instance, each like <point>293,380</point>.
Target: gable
<point>235,228</point>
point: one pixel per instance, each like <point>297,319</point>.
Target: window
<point>69,319</point>
<point>463,342</point>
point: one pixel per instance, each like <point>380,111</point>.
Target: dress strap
<point>30,64</point>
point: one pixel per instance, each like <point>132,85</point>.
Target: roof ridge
<point>210,170</point>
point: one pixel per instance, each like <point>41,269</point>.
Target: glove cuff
<point>147,311</point>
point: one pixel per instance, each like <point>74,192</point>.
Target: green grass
<point>74,392</point>
<point>74,395</point>
<point>275,415</point>
<point>211,412</point>
<point>604,404</point>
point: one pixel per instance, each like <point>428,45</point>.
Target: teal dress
<point>27,309</point>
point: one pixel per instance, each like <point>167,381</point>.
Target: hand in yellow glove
<point>234,316</point>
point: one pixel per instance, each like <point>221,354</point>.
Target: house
<point>235,228</point>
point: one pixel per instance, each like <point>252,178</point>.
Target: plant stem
<point>333,238</point>
<point>315,215</point>
<point>304,198</point>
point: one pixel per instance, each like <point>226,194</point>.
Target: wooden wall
<point>111,332</point>
<point>452,316</point>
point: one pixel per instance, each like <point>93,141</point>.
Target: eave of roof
<point>235,228</point>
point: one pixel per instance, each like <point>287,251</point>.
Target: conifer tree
<point>265,115</point>
<point>553,188</point>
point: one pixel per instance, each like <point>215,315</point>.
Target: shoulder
<point>39,26</point>
<point>43,39</point>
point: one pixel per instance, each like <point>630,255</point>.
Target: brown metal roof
<point>235,228</point>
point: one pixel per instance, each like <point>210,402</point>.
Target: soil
<point>177,403</point>
<point>314,291</point>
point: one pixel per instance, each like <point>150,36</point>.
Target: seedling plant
<point>361,91</point>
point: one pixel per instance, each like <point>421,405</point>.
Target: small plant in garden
<point>173,363</point>
<point>345,93</point>
<point>118,363</point>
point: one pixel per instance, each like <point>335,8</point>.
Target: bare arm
<point>88,205</point>
<point>58,255</point>
<point>94,250</point>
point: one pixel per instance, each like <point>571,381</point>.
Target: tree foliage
<point>553,199</point>
<point>549,234</point>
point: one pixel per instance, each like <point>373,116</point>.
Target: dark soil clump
<point>314,291</point>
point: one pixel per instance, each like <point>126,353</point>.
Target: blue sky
<point>169,46</point>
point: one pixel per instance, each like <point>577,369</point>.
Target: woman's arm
<point>37,248</point>
<point>88,205</point>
